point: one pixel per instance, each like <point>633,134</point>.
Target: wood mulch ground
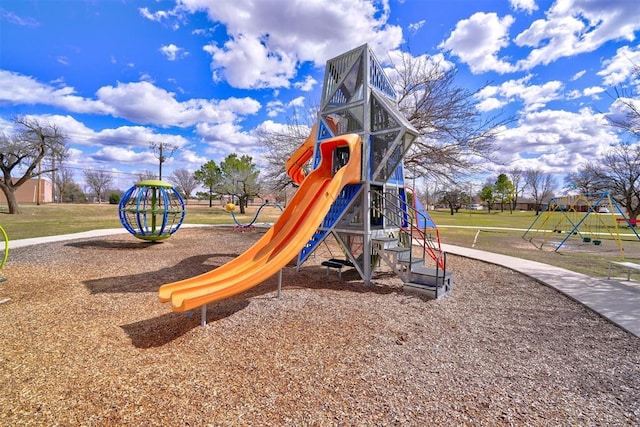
<point>85,341</point>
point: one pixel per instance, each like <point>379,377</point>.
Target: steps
<point>433,283</point>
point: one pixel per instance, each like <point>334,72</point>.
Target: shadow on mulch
<point>151,281</point>
<point>158,331</point>
<point>161,330</point>
<point>104,244</point>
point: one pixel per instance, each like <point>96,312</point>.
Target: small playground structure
<point>355,193</point>
<point>230,207</point>
<point>151,210</point>
<point>583,218</point>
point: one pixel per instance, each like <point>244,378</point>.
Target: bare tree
<point>98,181</point>
<point>185,181</point>
<point>280,143</point>
<point>64,181</point>
<point>515,175</point>
<point>455,139</point>
<point>619,173</point>
<point>145,175</point>
<point>628,117</point>
<point>584,181</point>
<point>23,152</point>
<point>541,186</point>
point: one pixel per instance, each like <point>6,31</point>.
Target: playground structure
<point>355,193</point>
<point>586,217</point>
<point>151,210</point>
<point>230,207</point>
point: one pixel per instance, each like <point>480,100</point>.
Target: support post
<point>279,284</point>
<point>203,315</point>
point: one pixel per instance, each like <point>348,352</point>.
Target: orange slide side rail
<point>282,242</point>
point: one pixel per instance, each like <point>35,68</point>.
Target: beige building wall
<point>28,192</point>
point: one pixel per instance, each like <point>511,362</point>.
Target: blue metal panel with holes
<point>335,212</point>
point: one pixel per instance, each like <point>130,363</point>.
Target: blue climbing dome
<point>151,210</point>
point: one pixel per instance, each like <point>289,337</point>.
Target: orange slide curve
<point>282,242</point>
<point>294,166</point>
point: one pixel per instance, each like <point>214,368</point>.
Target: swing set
<point>588,217</point>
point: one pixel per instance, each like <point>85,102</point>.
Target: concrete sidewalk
<point>615,299</point>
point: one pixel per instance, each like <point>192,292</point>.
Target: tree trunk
<point>12,202</point>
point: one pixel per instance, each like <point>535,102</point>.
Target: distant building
<point>28,192</point>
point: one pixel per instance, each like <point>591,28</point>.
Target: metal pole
<point>203,315</point>
<point>279,284</point>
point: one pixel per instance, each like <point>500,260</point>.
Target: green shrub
<point>114,198</point>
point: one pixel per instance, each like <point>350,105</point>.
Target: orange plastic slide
<point>294,166</point>
<point>282,242</point>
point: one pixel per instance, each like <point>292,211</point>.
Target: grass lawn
<point>499,232</point>
<point>52,219</point>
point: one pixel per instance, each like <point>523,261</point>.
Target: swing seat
<point>597,242</point>
<point>587,240</point>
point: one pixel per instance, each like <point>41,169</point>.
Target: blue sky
<point>203,75</point>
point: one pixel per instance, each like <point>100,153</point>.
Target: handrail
<point>404,216</point>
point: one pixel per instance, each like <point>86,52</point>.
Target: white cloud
<point>263,51</point>
<point>19,89</point>
<point>573,94</point>
<point>77,133</point>
<point>489,104</point>
<point>478,40</point>
<point>578,75</point>
<point>245,62</point>
<point>306,85</point>
<point>18,20</point>
<point>619,109</point>
<point>415,26</point>
<point>298,102</point>
<point>192,158</point>
<point>276,107</point>
<point>153,16</point>
<point>572,27</point>
<point>271,127</point>
<point>110,154</point>
<point>173,52</point>
<point>593,91</point>
<point>555,141</point>
<point>528,6</point>
<point>143,102</point>
<point>533,97</point>
<point>226,138</point>
<point>621,67</point>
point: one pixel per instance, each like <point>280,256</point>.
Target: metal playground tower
<point>377,219</point>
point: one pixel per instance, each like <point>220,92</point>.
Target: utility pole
<point>39,183</point>
<point>159,149</point>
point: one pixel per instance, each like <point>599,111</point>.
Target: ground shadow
<point>106,244</point>
<point>152,280</point>
<point>158,331</point>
